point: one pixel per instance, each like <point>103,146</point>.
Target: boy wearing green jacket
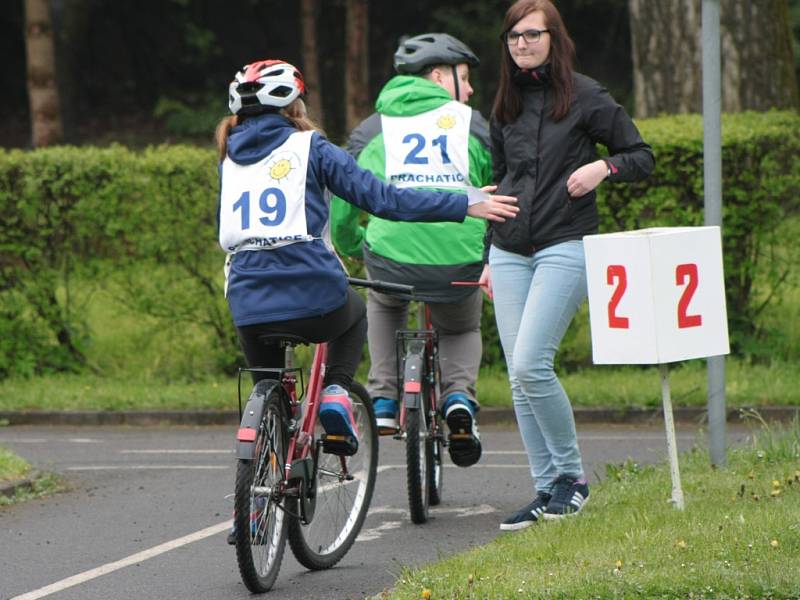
<point>423,135</point>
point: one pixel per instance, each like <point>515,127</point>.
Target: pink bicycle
<point>293,481</point>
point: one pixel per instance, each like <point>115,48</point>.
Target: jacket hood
<point>257,137</point>
<point>407,95</point>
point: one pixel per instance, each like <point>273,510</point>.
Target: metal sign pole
<point>712,185</point>
<point>672,445</point>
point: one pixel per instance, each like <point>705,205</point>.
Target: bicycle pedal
<point>388,431</point>
<point>341,445</point>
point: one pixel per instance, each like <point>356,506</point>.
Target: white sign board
<point>656,295</point>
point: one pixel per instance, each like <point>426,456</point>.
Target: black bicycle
<point>420,424</point>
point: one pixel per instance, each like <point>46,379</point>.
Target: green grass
<point>12,467</point>
<point>738,537</point>
<point>618,387</point>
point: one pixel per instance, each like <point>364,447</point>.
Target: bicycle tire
<point>436,472</point>
<point>418,463</point>
<point>341,506</point>
<point>261,540</point>
<point>435,424</point>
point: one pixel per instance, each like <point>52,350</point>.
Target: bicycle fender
<point>412,378</point>
<point>251,419</point>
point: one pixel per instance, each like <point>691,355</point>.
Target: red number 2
<point>681,273</point>
<point>616,272</point>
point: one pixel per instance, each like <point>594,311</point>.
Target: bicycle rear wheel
<point>341,501</point>
<point>259,521</point>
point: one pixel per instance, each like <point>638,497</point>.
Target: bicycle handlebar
<point>382,286</point>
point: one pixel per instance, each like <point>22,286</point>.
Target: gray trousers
<point>460,346</point>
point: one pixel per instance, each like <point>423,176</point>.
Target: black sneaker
<point>527,516</point>
<point>464,441</point>
<point>569,494</point>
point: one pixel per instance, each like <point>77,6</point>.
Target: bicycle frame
<point>300,463</point>
<point>301,443</point>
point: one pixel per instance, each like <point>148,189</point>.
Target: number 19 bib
<point>263,205</point>
<point>429,149</point>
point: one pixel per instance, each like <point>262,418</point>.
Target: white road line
<point>125,562</point>
<point>367,535</point>
<point>174,451</point>
<point>449,466</point>
<point>374,533</point>
<point>461,511</point>
<point>144,467</point>
<point>631,438</point>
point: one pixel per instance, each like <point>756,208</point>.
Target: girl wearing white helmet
<point>282,275</point>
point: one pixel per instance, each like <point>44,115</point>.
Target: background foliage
<point>115,83</point>
<point>141,226</point>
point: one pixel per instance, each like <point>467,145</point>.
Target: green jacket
<point>428,255</point>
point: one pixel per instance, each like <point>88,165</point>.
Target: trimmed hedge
<point>96,213</point>
<point>760,188</point>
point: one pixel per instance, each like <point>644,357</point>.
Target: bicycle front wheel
<point>436,473</point>
<point>344,486</point>
<point>419,462</point>
<point>259,521</point>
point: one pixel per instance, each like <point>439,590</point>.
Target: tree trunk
<point>665,39</point>
<point>757,56</point>
<point>757,60</point>
<point>46,126</point>
<point>356,64</point>
<point>308,18</point>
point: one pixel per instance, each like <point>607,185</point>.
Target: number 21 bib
<point>429,149</point>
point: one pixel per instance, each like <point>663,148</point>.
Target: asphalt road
<point>145,513</point>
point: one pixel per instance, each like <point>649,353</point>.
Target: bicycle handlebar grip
<point>382,286</point>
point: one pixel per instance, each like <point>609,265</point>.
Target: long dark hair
<point>296,112</point>
<point>508,100</point>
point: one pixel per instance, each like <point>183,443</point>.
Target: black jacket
<point>534,156</point>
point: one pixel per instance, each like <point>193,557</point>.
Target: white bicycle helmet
<point>264,84</point>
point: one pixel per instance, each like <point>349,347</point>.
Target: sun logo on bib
<point>282,165</point>
<point>446,122</point>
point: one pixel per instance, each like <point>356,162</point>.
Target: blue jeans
<point>535,299</point>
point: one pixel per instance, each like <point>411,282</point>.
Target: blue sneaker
<point>570,494</point>
<point>255,516</point>
<point>527,516</point>
<point>386,411</point>
<point>464,442</point>
<point>336,416</point>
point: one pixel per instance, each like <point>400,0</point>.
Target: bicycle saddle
<point>269,339</point>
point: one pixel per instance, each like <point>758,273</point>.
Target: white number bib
<point>430,149</point>
<point>263,205</point>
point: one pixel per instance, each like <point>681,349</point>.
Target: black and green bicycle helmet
<point>417,53</point>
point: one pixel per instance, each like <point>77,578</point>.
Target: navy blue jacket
<point>306,279</point>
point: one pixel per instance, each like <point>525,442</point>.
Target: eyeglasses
<point>531,36</point>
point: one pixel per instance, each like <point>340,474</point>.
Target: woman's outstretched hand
<point>494,208</point>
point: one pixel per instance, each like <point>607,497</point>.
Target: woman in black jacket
<point>545,124</point>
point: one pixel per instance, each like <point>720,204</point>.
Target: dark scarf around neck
<point>536,77</point>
